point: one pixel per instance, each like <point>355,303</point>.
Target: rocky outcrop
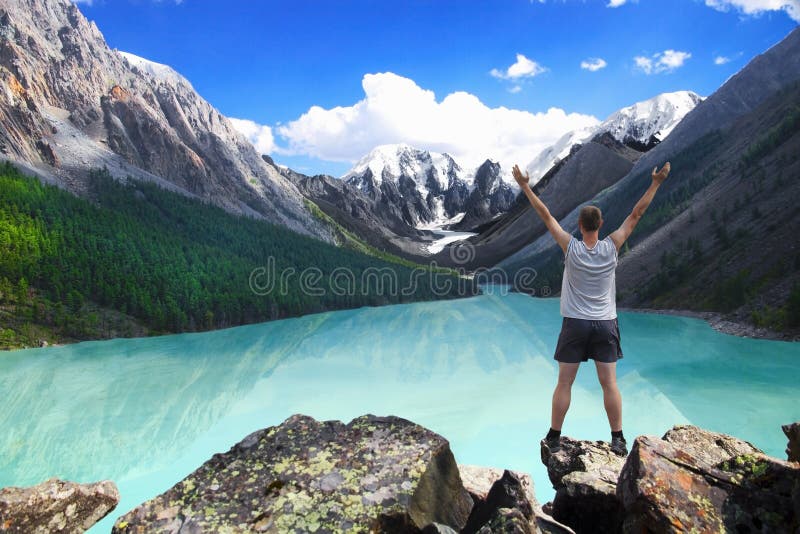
<point>386,474</point>
<point>56,506</point>
<point>584,475</point>
<point>690,480</point>
<point>373,474</point>
<point>508,507</point>
<point>793,447</point>
<point>490,196</point>
<point>665,488</point>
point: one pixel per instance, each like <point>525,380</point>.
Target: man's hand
<point>660,176</point>
<point>561,237</point>
<point>519,177</point>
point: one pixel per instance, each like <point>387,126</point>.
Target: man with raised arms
<point>589,329</point>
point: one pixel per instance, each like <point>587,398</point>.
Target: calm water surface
<point>146,412</point>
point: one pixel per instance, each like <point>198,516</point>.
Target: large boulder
<point>709,485</point>
<point>793,447</point>
<point>56,506</point>
<point>381,474</point>
<point>584,475</point>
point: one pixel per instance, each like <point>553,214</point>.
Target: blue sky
<point>270,62</point>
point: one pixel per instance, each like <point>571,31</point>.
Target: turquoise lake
<point>146,412</point>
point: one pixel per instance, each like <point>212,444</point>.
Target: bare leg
<point>562,394</point>
<point>607,374</point>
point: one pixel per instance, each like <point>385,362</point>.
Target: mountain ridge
<point>72,103</point>
<point>640,125</point>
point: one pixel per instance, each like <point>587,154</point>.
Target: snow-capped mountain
<point>641,126</point>
<point>404,160</point>
<point>431,189</point>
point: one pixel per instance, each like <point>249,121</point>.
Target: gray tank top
<point>588,289</point>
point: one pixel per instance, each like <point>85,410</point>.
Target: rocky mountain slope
<point>428,189</point>
<point>718,235</point>
<point>379,224</point>
<point>640,126</point>
<point>69,103</point>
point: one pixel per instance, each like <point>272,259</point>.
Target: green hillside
<point>138,259</point>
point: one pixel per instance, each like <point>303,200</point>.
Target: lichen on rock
<point>374,474</point>
<point>56,506</point>
<point>718,484</point>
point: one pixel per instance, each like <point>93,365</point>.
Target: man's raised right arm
<point>621,234</point>
<point>559,234</point>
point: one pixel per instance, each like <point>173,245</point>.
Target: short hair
<point>590,218</point>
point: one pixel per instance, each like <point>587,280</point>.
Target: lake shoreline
<point>716,320</point>
<point>722,324</point>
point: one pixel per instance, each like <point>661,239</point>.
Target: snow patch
<point>655,117</point>
<point>446,238</point>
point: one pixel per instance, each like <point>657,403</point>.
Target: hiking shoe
<point>552,444</point>
<point>619,446</point>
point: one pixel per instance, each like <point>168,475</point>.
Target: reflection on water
<point>146,412</point>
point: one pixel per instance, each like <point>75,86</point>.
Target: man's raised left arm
<point>559,234</point>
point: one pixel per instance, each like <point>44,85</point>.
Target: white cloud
<point>523,68</point>
<point>616,3</point>
<point>721,60</point>
<point>258,134</point>
<point>644,63</point>
<point>396,110</point>
<point>757,7</point>
<point>594,64</point>
<point>665,61</point>
<point>672,59</point>
<point>515,89</point>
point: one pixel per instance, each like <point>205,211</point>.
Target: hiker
<point>589,329</point>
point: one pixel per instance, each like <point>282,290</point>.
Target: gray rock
<point>479,480</point>
<point>375,473</point>
<point>793,447</point>
<point>709,447</point>
<point>508,493</point>
<point>507,521</point>
<point>437,528</point>
<point>56,506</point>
<point>490,196</point>
<point>584,475</point>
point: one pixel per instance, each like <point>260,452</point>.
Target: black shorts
<point>581,339</point>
